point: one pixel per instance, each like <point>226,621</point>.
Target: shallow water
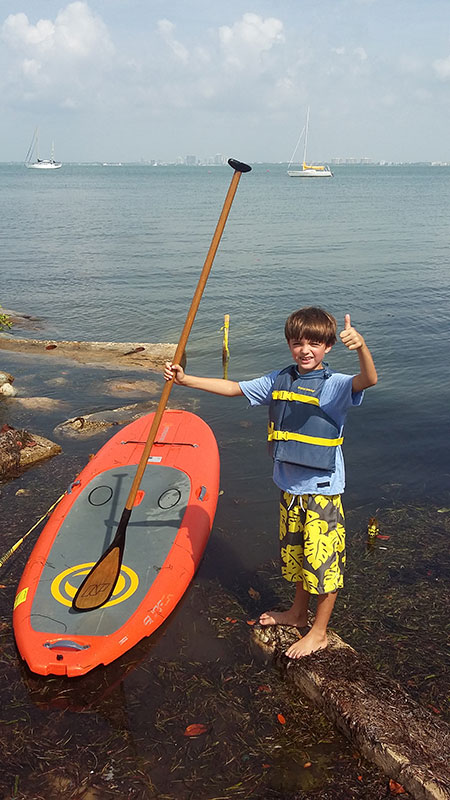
<point>115,254</point>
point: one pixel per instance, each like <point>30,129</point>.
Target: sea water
<point>114,253</point>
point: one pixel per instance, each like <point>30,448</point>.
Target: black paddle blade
<point>239,166</point>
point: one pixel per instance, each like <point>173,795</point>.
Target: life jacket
<point>300,432</point>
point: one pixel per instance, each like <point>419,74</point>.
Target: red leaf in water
<point>396,788</point>
<point>281,719</point>
<point>50,346</point>
<point>251,622</point>
<point>264,688</point>
<point>307,765</point>
<point>383,537</point>
<point>196,729</point>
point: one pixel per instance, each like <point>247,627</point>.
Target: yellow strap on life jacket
<point>286,436</point>
<point>299,398</point>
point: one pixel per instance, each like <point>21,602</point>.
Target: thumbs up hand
<point>350,336</point>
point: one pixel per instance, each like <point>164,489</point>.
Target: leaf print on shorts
<point>337,501</point>
<point>294,523</point>
<point>314,526</point>
<point>318,549</point>
<point>340,531</point>
<point>283,519</point>
<point>321,500</point>
<point>292,557</point>
<point>310,582</point>
<point>332,578</point>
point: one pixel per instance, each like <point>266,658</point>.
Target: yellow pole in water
<point>225,350</point>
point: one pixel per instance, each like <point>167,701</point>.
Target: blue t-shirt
<point>335,399</point>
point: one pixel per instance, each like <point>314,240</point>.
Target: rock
<point>123,355</point>
<point>5,377</point>
<point>132,387</point>
<point>20,449</point>
<point>388,726</point>
<point>39,451</point>
<point>7,390</point>
<point>41,403</point>
<point>22,320</point>
<point>87,425</point>
<point>57,382</point>
<point>92,424</point>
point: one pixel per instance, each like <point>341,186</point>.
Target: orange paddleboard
<point>166,536</point>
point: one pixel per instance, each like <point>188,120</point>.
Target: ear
<point>328,348</point>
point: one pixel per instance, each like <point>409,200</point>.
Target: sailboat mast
<point>32,146</point>
<point>306,137</point>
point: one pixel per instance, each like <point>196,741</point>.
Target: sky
<point>125,80</point>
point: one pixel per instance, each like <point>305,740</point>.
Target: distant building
<point>191,161</point>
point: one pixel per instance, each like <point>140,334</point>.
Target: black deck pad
<point>86,532</point>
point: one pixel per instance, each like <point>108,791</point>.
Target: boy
<point>308,404</point>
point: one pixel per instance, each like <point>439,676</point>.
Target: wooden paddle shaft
<point>184,336</point>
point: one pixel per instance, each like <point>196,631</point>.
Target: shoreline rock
<point>388,726</point>
<point>124,355</point>
<point>20,449</point>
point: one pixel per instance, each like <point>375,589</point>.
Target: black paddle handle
<point>239,166</point>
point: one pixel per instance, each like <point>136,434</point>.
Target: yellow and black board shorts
<point>312,541</point>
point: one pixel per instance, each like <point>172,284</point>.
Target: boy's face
<point>308,355</point>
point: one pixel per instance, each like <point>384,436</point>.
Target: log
<point>389,728</point>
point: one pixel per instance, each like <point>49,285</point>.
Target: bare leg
<point>297,614</point>
<point>317,638</point>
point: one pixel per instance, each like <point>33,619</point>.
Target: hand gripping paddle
<point>99,583</point>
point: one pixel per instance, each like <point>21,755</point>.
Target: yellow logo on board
<point>64,591</point>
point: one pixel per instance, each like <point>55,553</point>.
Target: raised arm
<point>367,375</point>
<point>213,385</point>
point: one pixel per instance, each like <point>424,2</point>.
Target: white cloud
<point>442,68</point>
<point>61,57</point>
<point>360,53</point>
<point>209,75</point>
<point>166,29</point>
<point>244,44</point>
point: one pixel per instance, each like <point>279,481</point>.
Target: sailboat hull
<point>310,173</point>
<point>44,165</point>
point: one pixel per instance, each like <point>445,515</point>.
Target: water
<point>114,254</point>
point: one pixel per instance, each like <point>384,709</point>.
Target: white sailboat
<point>307,170</point>
<point>33,153</point>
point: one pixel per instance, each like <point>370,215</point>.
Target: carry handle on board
<point>99,583</point>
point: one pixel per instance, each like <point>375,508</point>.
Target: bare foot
<point>283,618</point>
<point>307,644</point>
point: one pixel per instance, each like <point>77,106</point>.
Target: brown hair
<point>313,324</point>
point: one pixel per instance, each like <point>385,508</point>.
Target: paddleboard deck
<point>166,536</point>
